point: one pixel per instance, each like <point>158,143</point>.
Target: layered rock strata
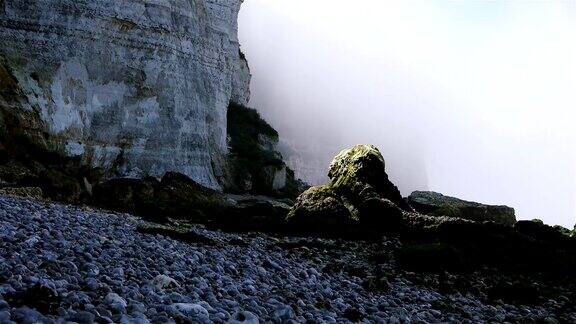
<point>137,88</point>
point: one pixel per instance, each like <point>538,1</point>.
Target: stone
<point>435,257</point>
<point>136,88</point>
<point>27,315</point>
<point>176,195</point>
<point>359,194</point>
<point>127,195</point>
<point>321,208</point>
<point>244,317</point>
<point>116,303</point>
<point>165,282</point>
<point>540,231</point>
<point>24,192</point>
<point>255,213</point>
<point>42,297</point>
<point>360,173</point>
<point>180,196</point>
<point>284,313</point>
<point>436,204</point>
<point>191,310</point>
<point>82,317</point>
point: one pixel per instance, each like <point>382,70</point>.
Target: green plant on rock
<point>253,157</point>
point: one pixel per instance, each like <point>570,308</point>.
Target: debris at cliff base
<point>67,264</point>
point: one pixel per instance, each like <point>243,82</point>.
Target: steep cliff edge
<point>135,88</point>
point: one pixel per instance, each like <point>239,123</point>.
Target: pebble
<point>99,268</point>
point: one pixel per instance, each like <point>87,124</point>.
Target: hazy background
<point>475,99</point>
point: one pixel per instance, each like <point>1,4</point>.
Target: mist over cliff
<point>471,99</point>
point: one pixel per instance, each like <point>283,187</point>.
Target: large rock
<point>435,204</point>
<point>359,194</point>
<point>135,87</point>
<point>320,208</point>
<point>175,196</point>
<point>360,174</point>
<point>254,213</point>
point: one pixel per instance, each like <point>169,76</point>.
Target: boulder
<point>537,230</point>
<point>127,195</point>
<point>360,174</point>
<point>254,213</point>
<point>359,194</point>
<point>181,197</point>
<point>175,196</point>
<point>320,208</point>
<point>435,204</point>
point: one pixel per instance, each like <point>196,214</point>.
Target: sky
<point>474,99</point>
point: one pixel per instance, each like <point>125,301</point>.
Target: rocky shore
<point>62,263</point>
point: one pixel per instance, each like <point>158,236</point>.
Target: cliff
<point>136,88</point>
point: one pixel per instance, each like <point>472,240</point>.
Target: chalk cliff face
<point>135,87</point>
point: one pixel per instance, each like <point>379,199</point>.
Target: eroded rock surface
<point>136,87</point>
<point>435,204</point>
<point>358,194</point>
<point>255,164</point>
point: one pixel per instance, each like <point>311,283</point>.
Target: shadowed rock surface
<point>435,204</point>
<point>359,194</point>
<point>255,164</point>
<point>175,196</point>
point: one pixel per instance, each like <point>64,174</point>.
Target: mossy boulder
<point>321,208</point>
<point>359,194</point>
<point>435,204</point>
<point>359,173</point>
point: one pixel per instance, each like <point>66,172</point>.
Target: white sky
<point>480,96</point>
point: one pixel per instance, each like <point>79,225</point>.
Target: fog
<point>475,99</point>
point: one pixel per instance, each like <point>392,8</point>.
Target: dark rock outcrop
<point>320,208</point>
<point>253,213</point>
<point>178,198</point>
<point>175,196</point>
<point>359,194</point>
<point>359,173</point>
<point>255,164</point>
<point>435,204</point>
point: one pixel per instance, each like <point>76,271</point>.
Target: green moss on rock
<point>256,167</point>
<point>436,204</point>
<point>358,194</point>
<point>320,208</point>
<point>359,173</point>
